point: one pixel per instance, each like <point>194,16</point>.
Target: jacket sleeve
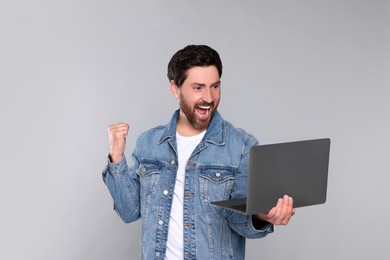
<point>240,223</point>
<point>123,184</point>
<point>243,225</point>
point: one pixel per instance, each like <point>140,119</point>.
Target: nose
<point>207,95</point>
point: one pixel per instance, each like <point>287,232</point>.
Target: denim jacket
<point>216,170</point>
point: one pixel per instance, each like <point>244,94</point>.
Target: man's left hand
<point>281,213</point>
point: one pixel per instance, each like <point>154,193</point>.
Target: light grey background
<point>292,70</point>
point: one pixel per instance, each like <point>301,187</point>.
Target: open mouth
<point>203,111</point>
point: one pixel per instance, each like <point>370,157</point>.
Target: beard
<point>192,115</point>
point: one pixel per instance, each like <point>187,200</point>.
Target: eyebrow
<point>203,85</point>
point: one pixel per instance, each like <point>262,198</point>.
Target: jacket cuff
<point>115,168</point>
<point>262,226</point>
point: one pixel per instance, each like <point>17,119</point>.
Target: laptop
<point>298,169</point>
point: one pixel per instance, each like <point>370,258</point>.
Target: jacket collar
<point>215,133</point>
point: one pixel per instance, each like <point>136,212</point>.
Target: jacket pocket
<point>149,172</point>
<point>216,182</point>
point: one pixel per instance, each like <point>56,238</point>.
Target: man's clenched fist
<point>117,134</point>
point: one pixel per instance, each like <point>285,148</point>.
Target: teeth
<point>204,107</point>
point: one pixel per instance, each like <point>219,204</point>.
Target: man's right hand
<point>117,134</point>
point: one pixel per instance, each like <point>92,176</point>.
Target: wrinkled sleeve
<point>240,223</point>
<point>123,184</point>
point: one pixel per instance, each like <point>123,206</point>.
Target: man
<point>179,168</point>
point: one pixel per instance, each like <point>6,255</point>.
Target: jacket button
<point>165,192</point>
<point>172,162</point>
<point>157,254</point>
<point>160,222</point>
<point>218,174</point>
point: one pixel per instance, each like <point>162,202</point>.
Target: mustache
<point>211,104</point>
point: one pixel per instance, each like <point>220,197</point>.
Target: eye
<point>197,87</point>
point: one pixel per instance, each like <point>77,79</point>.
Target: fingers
<point>287,210</point>
<point>282,212</point>
<point>119,129</point>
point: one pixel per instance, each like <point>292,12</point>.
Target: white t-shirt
<point>175,242</point>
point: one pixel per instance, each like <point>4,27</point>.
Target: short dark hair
<point>191,56</point>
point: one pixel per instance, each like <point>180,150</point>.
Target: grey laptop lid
<point>298,169</point>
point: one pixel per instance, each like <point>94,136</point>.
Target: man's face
<point>199,95</point>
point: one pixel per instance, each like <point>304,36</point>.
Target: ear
<point>175,90</point>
